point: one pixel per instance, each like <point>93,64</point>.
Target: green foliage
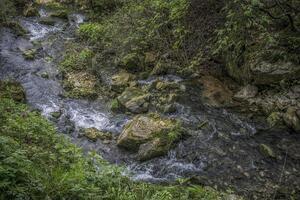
<point>7,11</point>
<point>135,29</point>
<point>115,105</point>
<point>91,32</point>
<point>260,29</point>
<point>38,163</point>
<point>77,59</point>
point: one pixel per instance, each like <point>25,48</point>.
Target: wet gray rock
<point>270,73</point>
<point>249,91</point>
<point>134,100</point>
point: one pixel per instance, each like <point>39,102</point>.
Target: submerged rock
<point>134,100</point>
<point>12,90</point>
<point>291,119</point>
<point>249,91</point>
<point>45,75</point>
<point>215,93</point>
<point>150,136</point>
<point>56,114</point>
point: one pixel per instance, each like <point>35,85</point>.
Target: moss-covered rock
<point>121,80</point>
<point>152,149</point>
<point>132,62</point>
<point>93,134</point>
<point>150,136</point>
<point>12,90</point>
<point>266,151</point>
<point>56,114</point>
<point>63,14</point>
<point>47,21</point>
<point>291,119</point>
<point>134,100</point>
<point>81,84</point>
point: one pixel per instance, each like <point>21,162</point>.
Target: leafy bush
<point>260,29</point>
<point>77,60</point>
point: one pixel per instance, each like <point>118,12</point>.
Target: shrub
<point>77,60</point>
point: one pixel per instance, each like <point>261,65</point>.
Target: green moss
<point>77,60</point>
<point>132,61</point>
<point>92,32</point>
<point>115,105</point>
<point>31,11</point>
<point>267,151</point>
<point>12,90</point>
<point>53,5</point>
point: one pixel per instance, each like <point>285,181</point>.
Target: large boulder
<point>150,136</point>
<point>291,119</point>
<point>215,93</point>
<point>12,90</point>
<point>134,100</point>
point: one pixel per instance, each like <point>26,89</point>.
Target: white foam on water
<point>43,12</point>
<point>87,117</point>
<point>77,19</point>
<point>37,30</point>
<point>47,109</point>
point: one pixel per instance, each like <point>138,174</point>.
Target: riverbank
<point>219,143</point>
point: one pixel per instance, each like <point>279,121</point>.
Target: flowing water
<point>224,154</point>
